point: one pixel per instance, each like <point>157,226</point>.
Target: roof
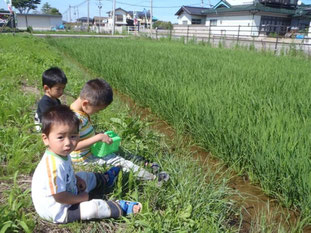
<point>139,14</point>
<point>100,17</point>
<point>191,10</point>
<point>118,10</point>
<point>222,3</point>
<point>251,8</point>
<point>84,19</point>
<point>303,11</point>
<point>4,12</point>
<point>39,15</point>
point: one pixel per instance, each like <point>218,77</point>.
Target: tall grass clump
<point>248,108</point>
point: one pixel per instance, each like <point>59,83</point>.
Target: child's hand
<point>80,184</point>
<point>105,138</point>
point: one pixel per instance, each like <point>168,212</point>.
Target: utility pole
<point>100,14</point>
<point>69,13</point>
<point>202,3</point>
<point>113,16</point>
<point>151,18</point>
<point>100,7</point>
<point>88,15</point>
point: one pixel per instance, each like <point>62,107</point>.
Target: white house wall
<point>229,25</point>
<point>184,17</point>
<point>55,21</point>
<point>118,12</point>
<point>38,22</point>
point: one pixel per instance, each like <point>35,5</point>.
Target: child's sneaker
<point>155,168</point>
<point>163,177</point>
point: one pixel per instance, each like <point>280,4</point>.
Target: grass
<point>250,109</point>
<point>185,204</point>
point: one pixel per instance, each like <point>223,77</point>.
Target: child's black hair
<point>53,76</point>
<point>98,92</point>
<point>60,114</point>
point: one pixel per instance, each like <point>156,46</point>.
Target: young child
<point>61,196</point>
<point>95,96</point>
<point>54,82</point>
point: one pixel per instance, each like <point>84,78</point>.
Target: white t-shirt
<point>54,174</point>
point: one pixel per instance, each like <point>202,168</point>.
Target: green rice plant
<point>13,217</point>
<point>250,109</point>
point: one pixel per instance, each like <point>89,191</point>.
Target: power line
<point>78,5</point>
<point>146,6</point>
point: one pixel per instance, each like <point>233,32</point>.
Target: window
<point>213,22</point>
<point>185,22</point>
<point>119,18</point>
<point>196,21</point>
<point>269,24</point>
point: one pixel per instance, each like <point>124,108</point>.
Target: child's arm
<point>69,198</point>
<point>90,141</point>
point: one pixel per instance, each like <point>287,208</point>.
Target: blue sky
<point>163,9</point>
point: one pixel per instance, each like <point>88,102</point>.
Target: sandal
<point>112,176</point>
<point>127,206</point>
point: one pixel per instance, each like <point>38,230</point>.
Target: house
<point>140,17</point>
<point>6,19</point>
<point>130,18</point>
<point>36,21</point>
<point>83,21</point>
<point>249,18</point>
<point>100,21</point>
<point>120,17</point>
<point>39,22</point>
<point>188,15</point>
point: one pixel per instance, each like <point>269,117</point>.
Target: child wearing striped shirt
<point>95,96</point>
<point>61,196</point>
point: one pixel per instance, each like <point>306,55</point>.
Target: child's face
<point>56,91</point>
<point>62,139</point>
<point>90,109</point>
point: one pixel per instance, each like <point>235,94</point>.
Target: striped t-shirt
<point>54,174</point>
<point>86,131</point>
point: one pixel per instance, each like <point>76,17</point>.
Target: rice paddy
<point>250,109</point>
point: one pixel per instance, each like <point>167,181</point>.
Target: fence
<point>277,38</point>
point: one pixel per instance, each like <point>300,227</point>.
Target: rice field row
<point>250,109</point>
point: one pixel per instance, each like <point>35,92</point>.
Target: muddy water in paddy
<point>253,200</point>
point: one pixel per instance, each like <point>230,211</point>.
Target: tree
<point>47,9</point>
<point>24,6</point>
<point>162,25</point>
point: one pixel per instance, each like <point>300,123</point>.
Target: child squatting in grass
<point>54,82</point>
<point>61,196</point>
<point>95,96</point>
